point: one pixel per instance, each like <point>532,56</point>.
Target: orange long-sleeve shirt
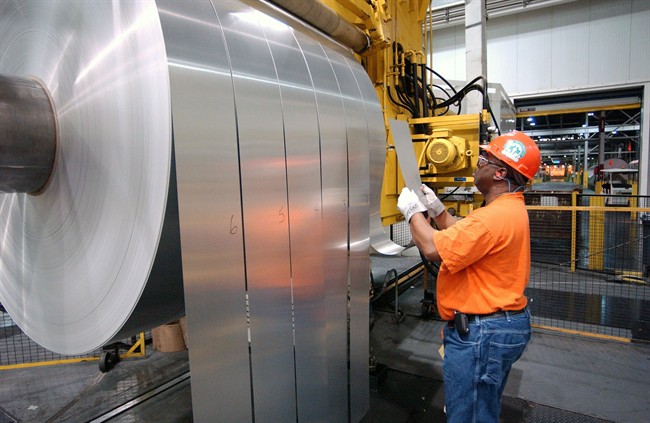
<point>485,259</point>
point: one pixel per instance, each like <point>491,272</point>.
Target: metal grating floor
<point>543,414</point>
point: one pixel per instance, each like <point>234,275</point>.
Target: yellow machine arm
<point>445,143</point>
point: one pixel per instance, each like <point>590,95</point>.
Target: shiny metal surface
<point>333,156</point>
<point>405,154</point>
<point>75,259</point>
<point>205,138</point>
<point>265,210</point>
<point>28,139</point>
<point>359,162</point>
<point>379,239</point>
<point>303,167</point>
<point>266,189</point>
<point>358,185</point>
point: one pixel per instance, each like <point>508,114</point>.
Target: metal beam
<point>581,130</point>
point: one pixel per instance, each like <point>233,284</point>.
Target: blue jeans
<point>476,365</point>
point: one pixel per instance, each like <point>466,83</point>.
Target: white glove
<point>432,202</point>
<point>409,204</point>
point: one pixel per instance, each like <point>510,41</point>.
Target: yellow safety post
<point>597,234</point>
<point>634,201</point>
<point>138,349</point>
<point>574,229</point>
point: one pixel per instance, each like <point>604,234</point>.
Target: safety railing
<point>590,263</point>
<point>18,351</point>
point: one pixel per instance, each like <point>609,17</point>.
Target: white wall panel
<point>534,50</point>
<point>569,46</point>
<point>639,40</point>
<point>574,45</point>
<point>502,51</point>
<point>459,54</point>
<point>449,52</point>
<point>609,42</point>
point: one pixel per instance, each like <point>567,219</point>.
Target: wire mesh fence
<point>18,350</point>
<point>400,233</point>
<point>590,263</point>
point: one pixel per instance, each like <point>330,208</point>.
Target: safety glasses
<point>483,160</point>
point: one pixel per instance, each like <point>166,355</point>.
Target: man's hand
<point>409,204</point>
<point>432,202</point>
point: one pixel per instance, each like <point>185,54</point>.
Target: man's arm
<point>436,208</point>
<point>445,220</point>
<point>422,234</point>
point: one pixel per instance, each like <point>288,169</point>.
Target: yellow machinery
<point>445,141</point>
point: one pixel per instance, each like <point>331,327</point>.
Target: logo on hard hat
<point>514,150</point>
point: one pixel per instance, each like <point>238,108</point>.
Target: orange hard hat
<point>517,150</point>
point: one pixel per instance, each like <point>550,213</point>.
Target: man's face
<point>486,167</point>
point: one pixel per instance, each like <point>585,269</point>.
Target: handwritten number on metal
<point>233,228</point>
<point>281,213</point>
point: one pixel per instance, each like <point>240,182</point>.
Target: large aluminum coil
<point>75,260</point>
<point>228,128</point>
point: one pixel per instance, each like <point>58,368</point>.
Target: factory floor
<point>560,378</point>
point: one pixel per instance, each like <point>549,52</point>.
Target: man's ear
<point>500,174</point>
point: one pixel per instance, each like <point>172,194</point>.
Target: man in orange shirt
<point>485,265</point>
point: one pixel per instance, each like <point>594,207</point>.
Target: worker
<point>485,265</point>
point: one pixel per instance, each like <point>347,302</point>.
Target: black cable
<point>461,94</point>
<point>451,193</point>
<point>391,98</point>
<point>412,105</point>
<point>401,88</point>
<point>429,91</point>
<point>441,89</point>
<point>435,106</point>
<point>489,109</point>
<point>496,123</point>
<point>408,78</point>
<point>415,82</point>
<point>428,264</point>
<point>441,77</point>
<point>446,108</point>
<point>416,89</point>
<point>464,91</point>
<point>471,86</point>
<point>403,96</point>
<point>428,107</point>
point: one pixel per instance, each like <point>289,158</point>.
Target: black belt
<point>496,314</point>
